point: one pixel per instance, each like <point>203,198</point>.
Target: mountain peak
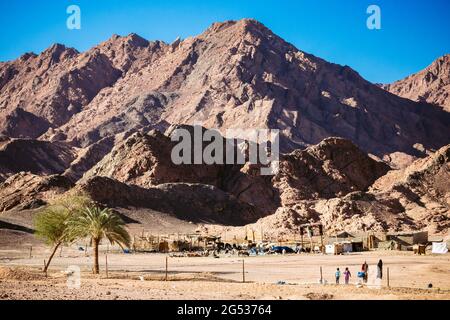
<point>132,39</point>
<point>243,25</point>
<point>58,49</point>
<point>431,84</point>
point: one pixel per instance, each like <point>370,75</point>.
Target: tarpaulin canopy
<point>439,247</point>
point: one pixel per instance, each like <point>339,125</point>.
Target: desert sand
<point>142,276</point>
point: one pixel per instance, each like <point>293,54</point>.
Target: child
<point>347,275</point>
<point>338,275</point>
<point>365,270</point>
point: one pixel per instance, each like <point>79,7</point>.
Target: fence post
<point>45,264</point>
<point>31,250</point>
<point>388,284</point>
<point>106,258</point>
<point>243,271</point>
<point>321,275</point>
<point>167,266</point>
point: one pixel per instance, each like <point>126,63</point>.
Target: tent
<point>335,248</point>
<point>439,247</point>
<point>347,247</point>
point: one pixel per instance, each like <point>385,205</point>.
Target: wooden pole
<point>45,264</point>
<point>167,267</point>
<point>106,258</point>
<point>31,251</point>
<point>243,271</point>
<point>321,276</point>
<point>302,240</point>
<point>322,248</point>
<point>60,252</point>
<point>388,284</point>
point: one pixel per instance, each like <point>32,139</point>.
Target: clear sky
<point>413,33</point>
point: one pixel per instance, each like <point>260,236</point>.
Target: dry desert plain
<point>141,276</point>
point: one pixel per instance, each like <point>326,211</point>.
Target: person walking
<point>338,275</point>
<point>380,269</point>
<point>365,270</point>
<point>347,275</point>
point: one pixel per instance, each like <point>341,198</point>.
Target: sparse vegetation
<point>52,224</point>
<point>98,224</point>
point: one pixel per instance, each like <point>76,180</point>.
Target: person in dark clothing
<point>365,269</point>
<point>380,269</point>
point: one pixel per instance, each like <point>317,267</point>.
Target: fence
<point>407,271</point>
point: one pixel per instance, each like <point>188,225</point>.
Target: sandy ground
<point>141,276</point>
<point>116,289</point>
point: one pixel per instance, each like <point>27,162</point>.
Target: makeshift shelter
<point>343,235</point>
<point>419,249</point>
<point>335,248</point>
<point>347,247</point>
<point>390,245</point>
<point>409,239</point>
<point>163,247</point>
<point>357,246</point>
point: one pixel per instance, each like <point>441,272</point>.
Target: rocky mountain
<point>186,201</point>
<point>414,198</point>
<point>334,167</point>
<point>237,74</point>
<point>48,89</point>
<point>430,85</point>
<point>26,191</point>
<point>100,122</point>
<point>35,156</point>
<point>333,182</point>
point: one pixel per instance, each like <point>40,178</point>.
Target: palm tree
<point>97,224</point>
<point>52,222</point>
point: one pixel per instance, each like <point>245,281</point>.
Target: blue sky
<point>413,33</point>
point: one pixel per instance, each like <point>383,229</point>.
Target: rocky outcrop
<point>414,198</point>
<point>88,158</point>
<point>145,160</point>
<point>37,157</point>
<point>333,168</point>
<point>192,202</point>
<point>27,191</point>
<point>422,189</point>
<point>431,85</point>
<point>22,124</point>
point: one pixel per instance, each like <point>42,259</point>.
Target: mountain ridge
<point>235,74</point>
<point>431,84</point>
